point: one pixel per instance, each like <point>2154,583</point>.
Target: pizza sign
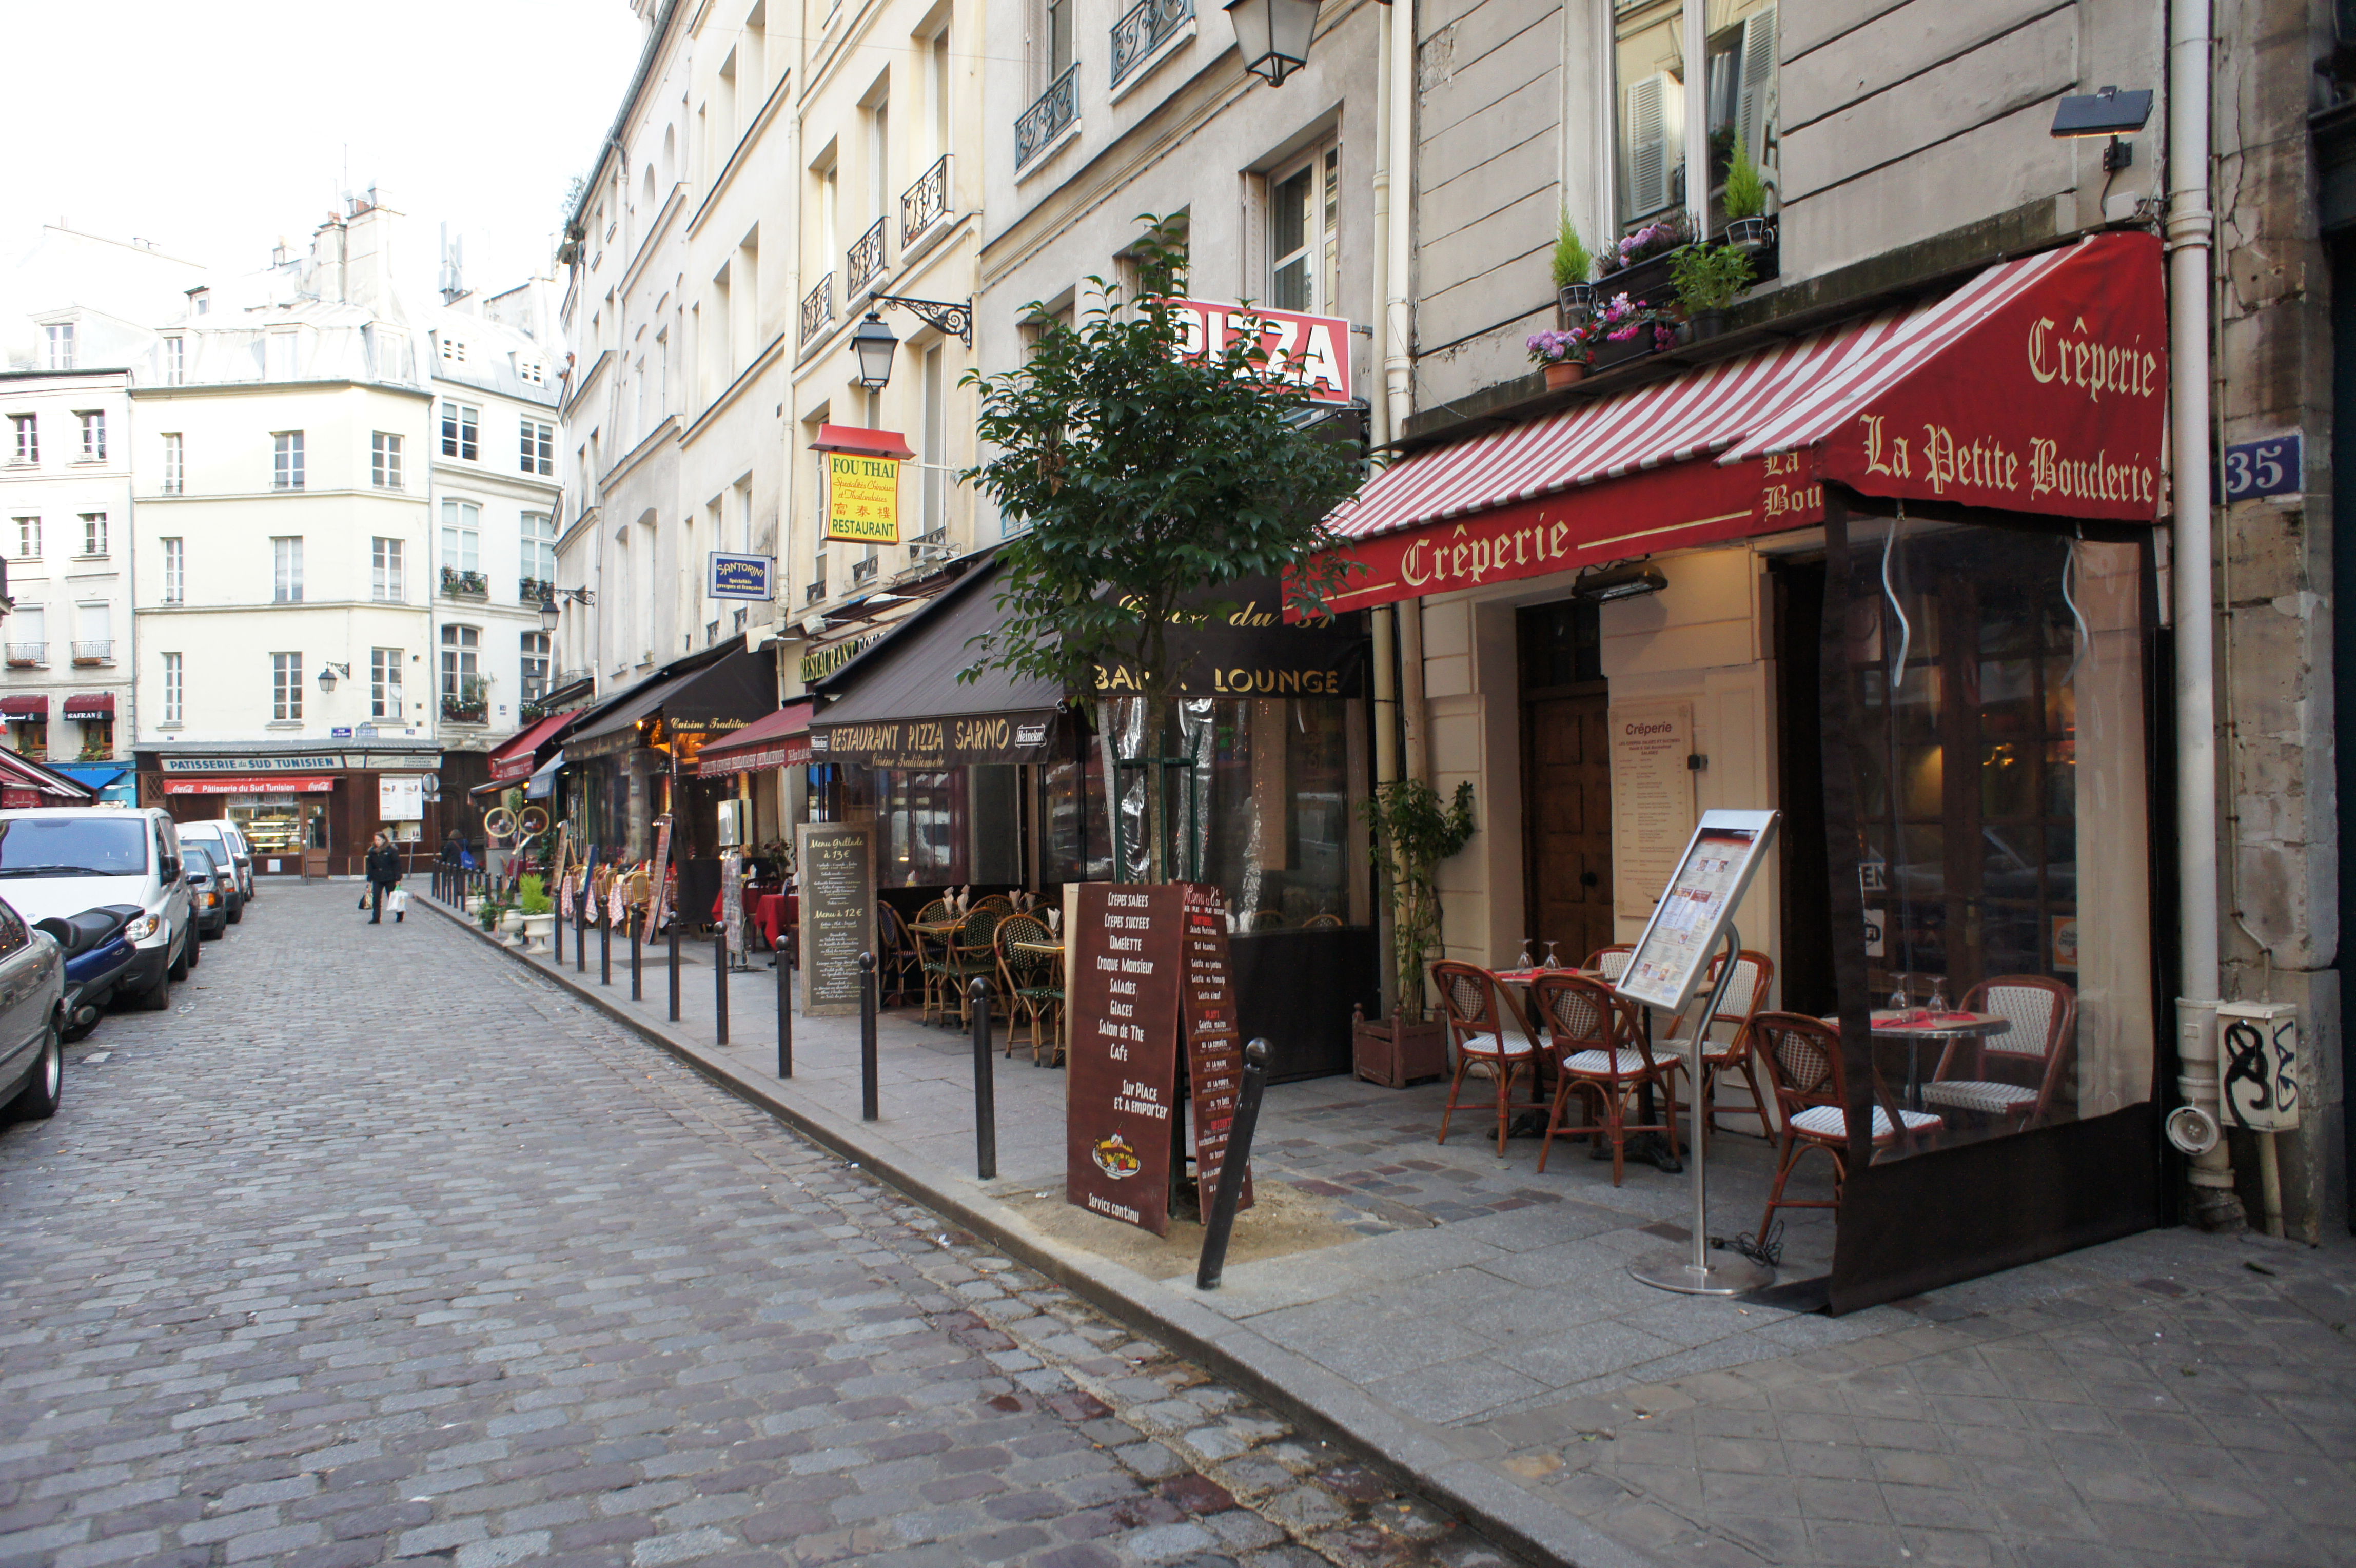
<point>1312,352</point>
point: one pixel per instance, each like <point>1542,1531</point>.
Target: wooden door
<point>1567,744</point>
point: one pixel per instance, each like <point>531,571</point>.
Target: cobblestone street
<point>376,1248</point>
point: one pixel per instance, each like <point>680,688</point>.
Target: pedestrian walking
<point>383,874</point>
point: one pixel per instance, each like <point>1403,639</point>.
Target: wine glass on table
<point>1552,962</point>
<point>1899,1001</point>
<point>1938,1003</point>
<point>1529,953</point>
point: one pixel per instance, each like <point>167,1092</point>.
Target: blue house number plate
<point>2274,466</point>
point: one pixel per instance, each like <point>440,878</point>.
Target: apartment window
<point>461,670</point>
<point>384,460</point>
<point>286,460</point>
<point>1741,85</point>
<point>540,546</point>
<point>280,363</point>
<point>93,532</point>
<point>462,536</point>
<point>384,683</point>
<point>176,361</point>
<point>26,429</point>
<point>175,571</point>
<point>386,578</point>
<point>28,539</point>
<point>1058,36</point>
<point>1649,96</point>
<point>172,689</point>
<point>540,443</point>
<point>176,471</point>
<point>461,428</point>
<point>93,434</point>
<point>286,570</point>
<point>285,688</point>
<point>1304,243</point>
<point>535,666</point>
<point>93,634</point>
<point>62,344</point>
<point>203,300</point>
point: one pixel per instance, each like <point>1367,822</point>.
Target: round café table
<point>1916,1024</point>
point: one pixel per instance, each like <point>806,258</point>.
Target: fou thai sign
<point>1312,352</point>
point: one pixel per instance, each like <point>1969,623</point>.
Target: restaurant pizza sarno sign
<point>1309,352</point>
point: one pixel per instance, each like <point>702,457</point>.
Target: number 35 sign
<point>2274,466</point>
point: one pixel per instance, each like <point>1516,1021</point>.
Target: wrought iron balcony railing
<point>864,263</point>
<point>1045,120</point>
<point>534,590</point>
<point>815,592</point>
<point>817,308</point>
<point>925,203</point>
<point>863,571</point>
<point>464,585</point>
<point>98,651</point>
<point>571,677</point>
<point>1143,30</point>
<point>27,655</point>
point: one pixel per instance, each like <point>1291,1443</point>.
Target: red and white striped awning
<point>2038,386</point>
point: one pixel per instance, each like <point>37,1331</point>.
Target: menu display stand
<point>837,921</point>
<point>1694,919</point>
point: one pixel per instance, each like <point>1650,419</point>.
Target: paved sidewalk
<point>2166,1398</point>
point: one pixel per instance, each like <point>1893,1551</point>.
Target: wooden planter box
<point>1396,1054</point>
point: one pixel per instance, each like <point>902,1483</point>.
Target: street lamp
<point>1273,36</point>
<point>550,608</point>
<point>328,674</point>
<point>873,343</point>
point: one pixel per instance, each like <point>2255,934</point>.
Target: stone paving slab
<point>1483,1333</point>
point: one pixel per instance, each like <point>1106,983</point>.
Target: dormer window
<point>202,300</point>
<point>532,371</point>
<point>453,350</point>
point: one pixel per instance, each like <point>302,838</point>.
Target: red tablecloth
<point>776,913</point>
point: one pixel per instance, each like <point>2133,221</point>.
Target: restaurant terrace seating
<point>1475,1009</point>
<point>2042,1013</point>
<point>1746,994</point>
<point>933,958</point>
<point>1600,1050</point>
<point>1029,983</point>
<point>972,955</point>
<point>1803,1062</point>
<point>1611,962</point>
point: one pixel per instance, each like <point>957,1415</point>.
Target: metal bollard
<point>985,1085</point>
<point>784,1013</point>
<point>638,991</point>
<point>579,937</point>
<point>1221,1220</point>
<point>720,984</point>
<point>674,966</point>
<point>868,1107</point>
<point>606,949</point>
<point>556,932</point>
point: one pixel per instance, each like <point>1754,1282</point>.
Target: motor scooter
<point>97,955</point>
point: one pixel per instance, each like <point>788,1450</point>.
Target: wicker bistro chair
<point>972,955</point>
<point>2043,1014</point>
<point>1029,983</point>
<point>1477,1008</point>
<point>1611,962</point>
<point>932,960</point>
<point>1600,1051</point>
<point>997,901</point>
<point>1804,1064</point>
<point>898,956</point>
<point>1746,994</point>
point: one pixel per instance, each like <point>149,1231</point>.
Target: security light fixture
<point>1273,35</point>
<point>2108,113</point>
<point>1618,583</point>
<point>328,674</point>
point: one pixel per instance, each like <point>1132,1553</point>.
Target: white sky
<point>213,128</point>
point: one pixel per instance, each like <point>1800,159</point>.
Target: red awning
<point>262,784</point>
<point>91,705</point>
<point>19,773</point>
<point>865,442</point>
<point>777,740</point>
<point>512,759</point>
<point>2040,386</point>
<point>33,707</point>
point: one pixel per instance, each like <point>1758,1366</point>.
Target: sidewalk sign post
<point>1694,919</point>
<point>985,1086</point>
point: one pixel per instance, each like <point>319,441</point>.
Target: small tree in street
<point>1146,478</point>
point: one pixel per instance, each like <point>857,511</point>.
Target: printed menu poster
<point>1690,920</point>
<point>1215,1043</point>
<point>837,890</point>
<point>1652,799</point>
<point>1122,977</point>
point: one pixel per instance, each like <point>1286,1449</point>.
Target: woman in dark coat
<point>383,871</point>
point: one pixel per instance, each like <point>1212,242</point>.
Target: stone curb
<point>1415,1453</point>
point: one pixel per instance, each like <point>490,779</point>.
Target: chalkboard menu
<point>838,913</point>
<point>1215,1045</point>
<point>1122,999</point>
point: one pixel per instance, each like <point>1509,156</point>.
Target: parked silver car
<point>32,1018</point>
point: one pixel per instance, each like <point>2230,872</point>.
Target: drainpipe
<point>2212,1203</point>
<point>1398,327</point>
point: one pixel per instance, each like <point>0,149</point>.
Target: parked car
<point>212,884</point>
<point>233,850</point>
<point>32,1018</point>
<point>63,860</point>
<point>98,955</point>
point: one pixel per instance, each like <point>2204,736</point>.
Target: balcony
<point>467,700</point>
<point>864,571</point>
<point>534,590</point>
<point>925,203</point>
<point>864,264</point>
<point>572,677</point>
<point>101,651</point>
<point>460,585</point>
<point>459,711</point>
<point>815,592</point>
<point>1146,28</point>
<point>28,656</point>
<point>1045,120</point>
<point>817,310</point>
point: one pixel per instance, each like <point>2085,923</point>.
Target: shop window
<point>30,737</point>
<point>1995,721</point>
<point>97,739</point>
<point>925,827</point>
<point>1076,842</point>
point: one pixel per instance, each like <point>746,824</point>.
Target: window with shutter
<point>1755,98</point>
<point>1654,115</point>
<point>1649,75</point>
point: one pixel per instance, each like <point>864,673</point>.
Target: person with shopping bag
<point>383,876</point>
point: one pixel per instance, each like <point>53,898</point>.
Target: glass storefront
<point>280,825</point>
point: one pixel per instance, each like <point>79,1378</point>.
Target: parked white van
<point>61,860</point>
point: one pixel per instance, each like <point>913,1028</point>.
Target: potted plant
<point>1630,329</point>
<point>1748,227</point>
<point>538,913</point>
<point>1564,354</point>
<point>1413,834</point>
<point>1572,266</point>
<point>1708,279</point>
<point>1637,264</point>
